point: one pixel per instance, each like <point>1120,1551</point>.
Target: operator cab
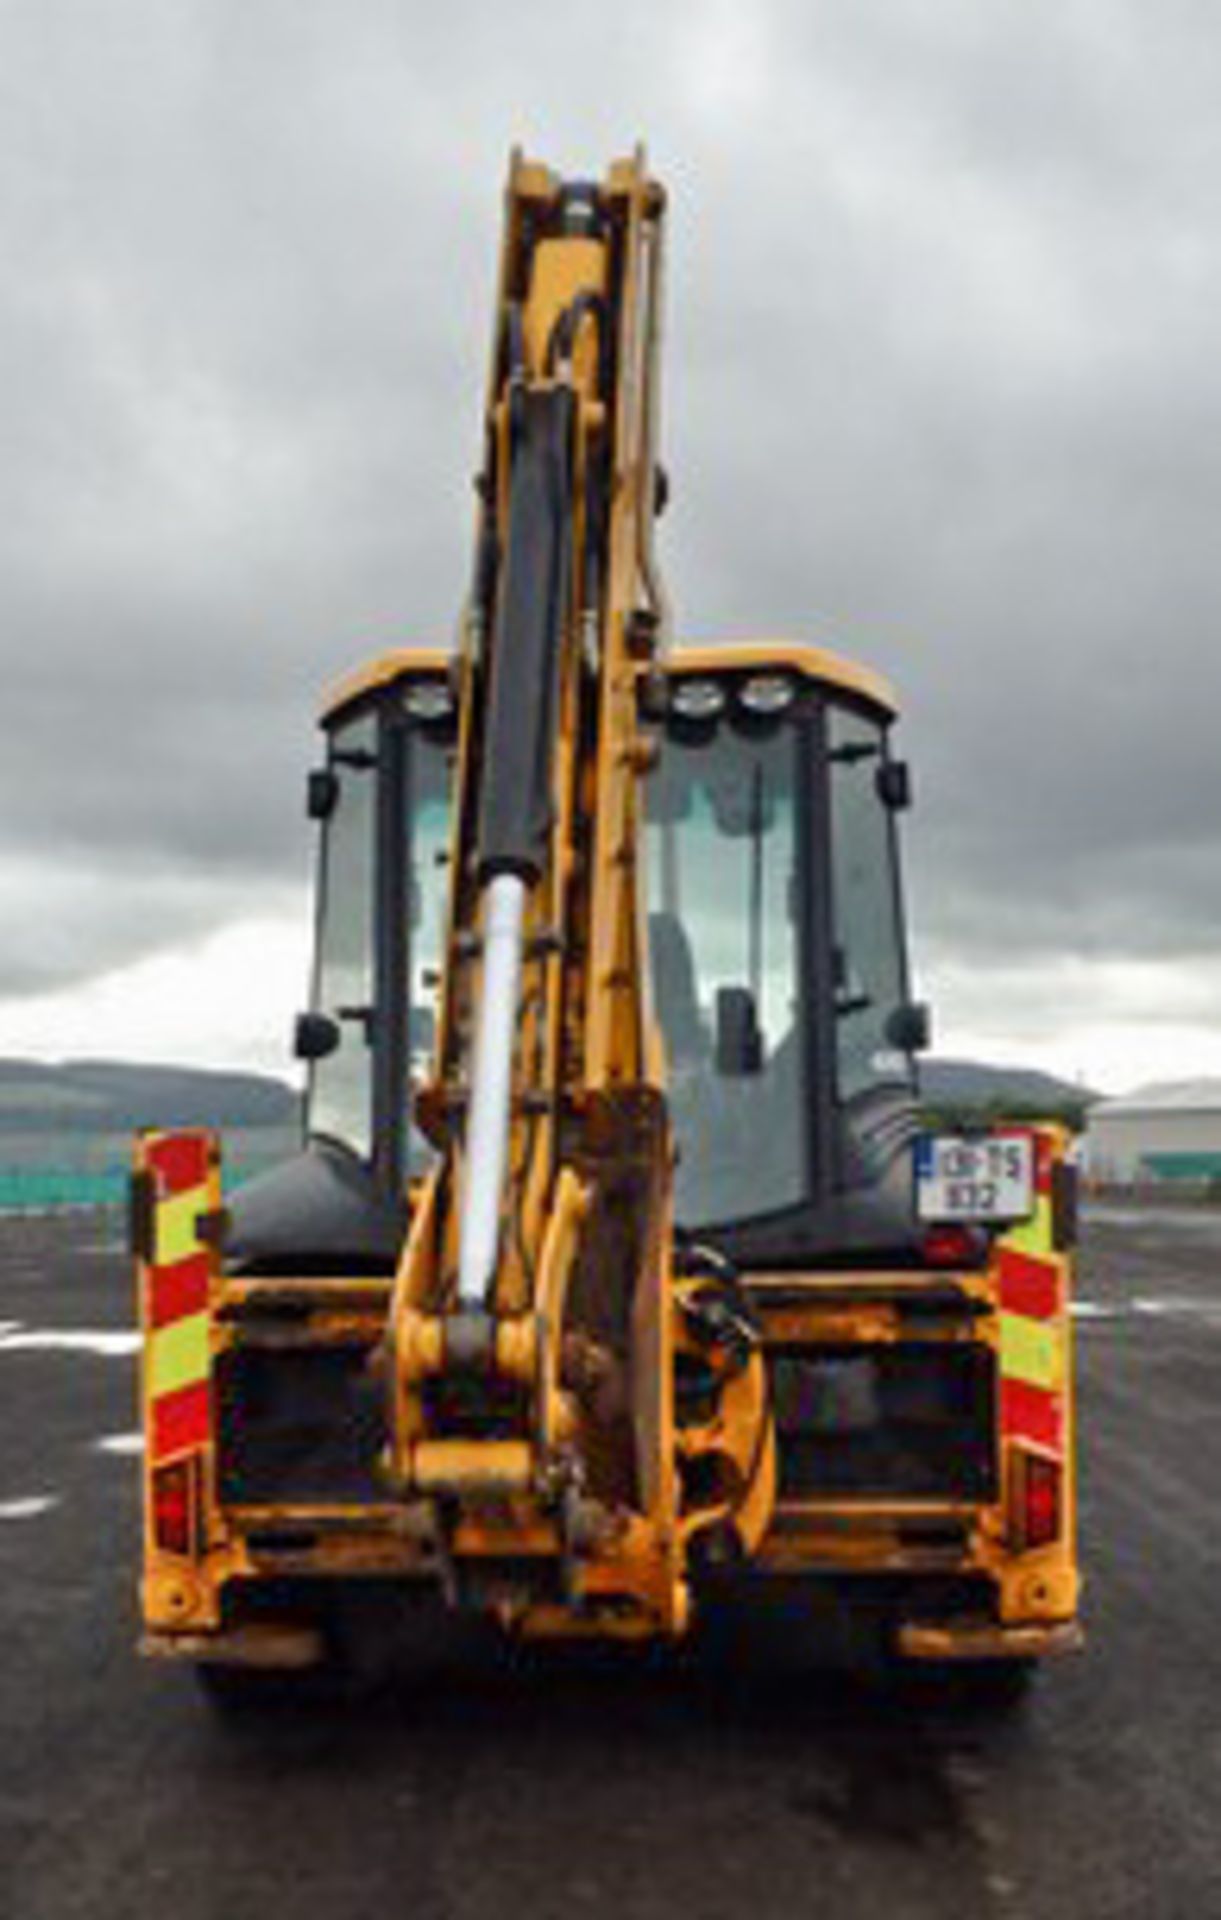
<point>777,962</point>
<point>381,799</point>
<point>778,956</point>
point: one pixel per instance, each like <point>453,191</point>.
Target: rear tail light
<point>175,1507</point>
<point>953,1246</point>
<point>1037,1514</point>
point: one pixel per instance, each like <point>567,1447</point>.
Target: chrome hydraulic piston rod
<point>487,1127</point>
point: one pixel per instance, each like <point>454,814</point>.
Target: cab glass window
<point>723,940</point>
<point>427,841</point>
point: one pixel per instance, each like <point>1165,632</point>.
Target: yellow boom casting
<point>614,1280</point>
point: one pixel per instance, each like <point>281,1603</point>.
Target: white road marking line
<point>121,1443</point>
<point>15,1338</point>
<point>1183,1306</point>
<point>49,1213</point>
<point>29,1508</point>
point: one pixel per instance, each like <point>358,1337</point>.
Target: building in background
<point>1168,1133</point>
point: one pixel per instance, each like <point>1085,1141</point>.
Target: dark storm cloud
<point>941,388</point>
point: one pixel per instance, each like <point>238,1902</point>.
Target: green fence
<point>34,1189</point>
<point>1198,1165</point>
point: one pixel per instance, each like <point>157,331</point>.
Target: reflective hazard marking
<point>1032,1349</point>
<point>178,1291</point>
<point>1031,1287</point>
<point>178,1355</point>
<point>1027,1413</point>
<point>175,1238</point>
<point>180,1420</point>
<point>1031,1236</point>
<point>175,1281</point>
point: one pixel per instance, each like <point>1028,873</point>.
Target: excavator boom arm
<point>529,1308</point>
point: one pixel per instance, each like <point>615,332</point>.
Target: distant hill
<point>970,1086</point>
<point>111,1096</point>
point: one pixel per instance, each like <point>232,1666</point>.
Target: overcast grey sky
<point>942,389</point>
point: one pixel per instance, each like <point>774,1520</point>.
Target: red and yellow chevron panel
<point>1033,1319</point>
<point>180,1178</point>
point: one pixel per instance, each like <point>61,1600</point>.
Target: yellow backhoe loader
<point>615,1280</point>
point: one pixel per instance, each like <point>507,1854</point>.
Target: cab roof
<point>742,656</point>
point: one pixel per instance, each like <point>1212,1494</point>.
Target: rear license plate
<point>988,1178</point>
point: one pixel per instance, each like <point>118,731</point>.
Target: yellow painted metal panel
<point>764,656</point>
<point>178,1355</point>
<point>397,664</point>
<point>1031,1350</point>
<point>761,656</point>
